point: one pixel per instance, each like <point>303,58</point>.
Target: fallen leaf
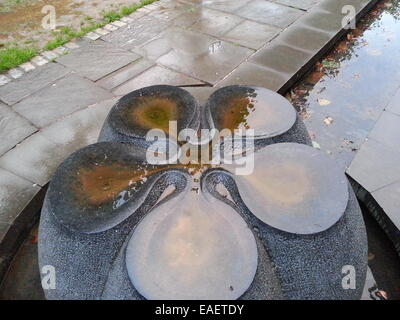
<point>382,294</point>
<point>35,237</point>
<point>342,47</point>
<point>371,256</point>
<point>330,64</point>
<point>328,121</point>
<point>323,102</point>
<point>316,145</point>
<point>315,77</point>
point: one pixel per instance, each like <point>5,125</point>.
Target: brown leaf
<point>323,102</point>
<point>315,77</point>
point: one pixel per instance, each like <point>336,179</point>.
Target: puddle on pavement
<point>22,23</point>
<point>341,99</point>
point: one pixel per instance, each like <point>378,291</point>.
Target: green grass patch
<point>111,16</point>
<point>11,57</point>
<point>126,10</point>
<point>14,56</point>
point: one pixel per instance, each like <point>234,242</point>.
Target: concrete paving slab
<point>251,34</point>
<point>337,5</point>
<point>269,13</point>
<point>97,59</point>
<point>128,72</point>
<point>15,194</point>
<point>281,57</point>
<point>80,128</point>
<point>387,130</point>
<point>216,23</point>
<point>35,159</point>
<point>156,47</point>
<point>223,5</point>
<point>4,80</point>
<point>154,76</point>
<point>323,20</point>
<point>32,82</point>
<point>375,166</point>
<point>169,10</point>
<point>305,38</point>
<point>203,57</point>
<point>13,128</point>
<point>254,75</point>
<point>389,200</point>
<point>187,19</point>
<point>138,32</point>
<point>60,99</point>
<point>303,4</point>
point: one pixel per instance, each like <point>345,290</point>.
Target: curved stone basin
<point>115,226</point>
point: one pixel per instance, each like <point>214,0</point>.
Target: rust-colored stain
<point>102,183</point>
<point>237,114</point>
<point>99,184</point>
<point>153,113</point>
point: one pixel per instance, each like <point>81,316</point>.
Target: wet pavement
<point>345,94</point>
<point>340,101</point>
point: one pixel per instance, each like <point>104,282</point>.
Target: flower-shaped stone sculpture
<point>117,226</point>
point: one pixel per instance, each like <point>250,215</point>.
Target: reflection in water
<point>262,110</point>
<point>341,99</point>
<point>101,183</point>
<point>240,114</point>
<point>352,85</point>
<point>192,248</point>
<point>153,112</point>
<point>294,188</point>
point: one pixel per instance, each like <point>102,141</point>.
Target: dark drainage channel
<point>22,281</point>
<point>339,100</point>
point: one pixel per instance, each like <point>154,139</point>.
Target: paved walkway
<point>59,107</point>
<point>376,168</point>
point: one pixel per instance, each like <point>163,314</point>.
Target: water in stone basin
<point>252,108</point>
<point>168,230</point>
<point>192,248</point>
